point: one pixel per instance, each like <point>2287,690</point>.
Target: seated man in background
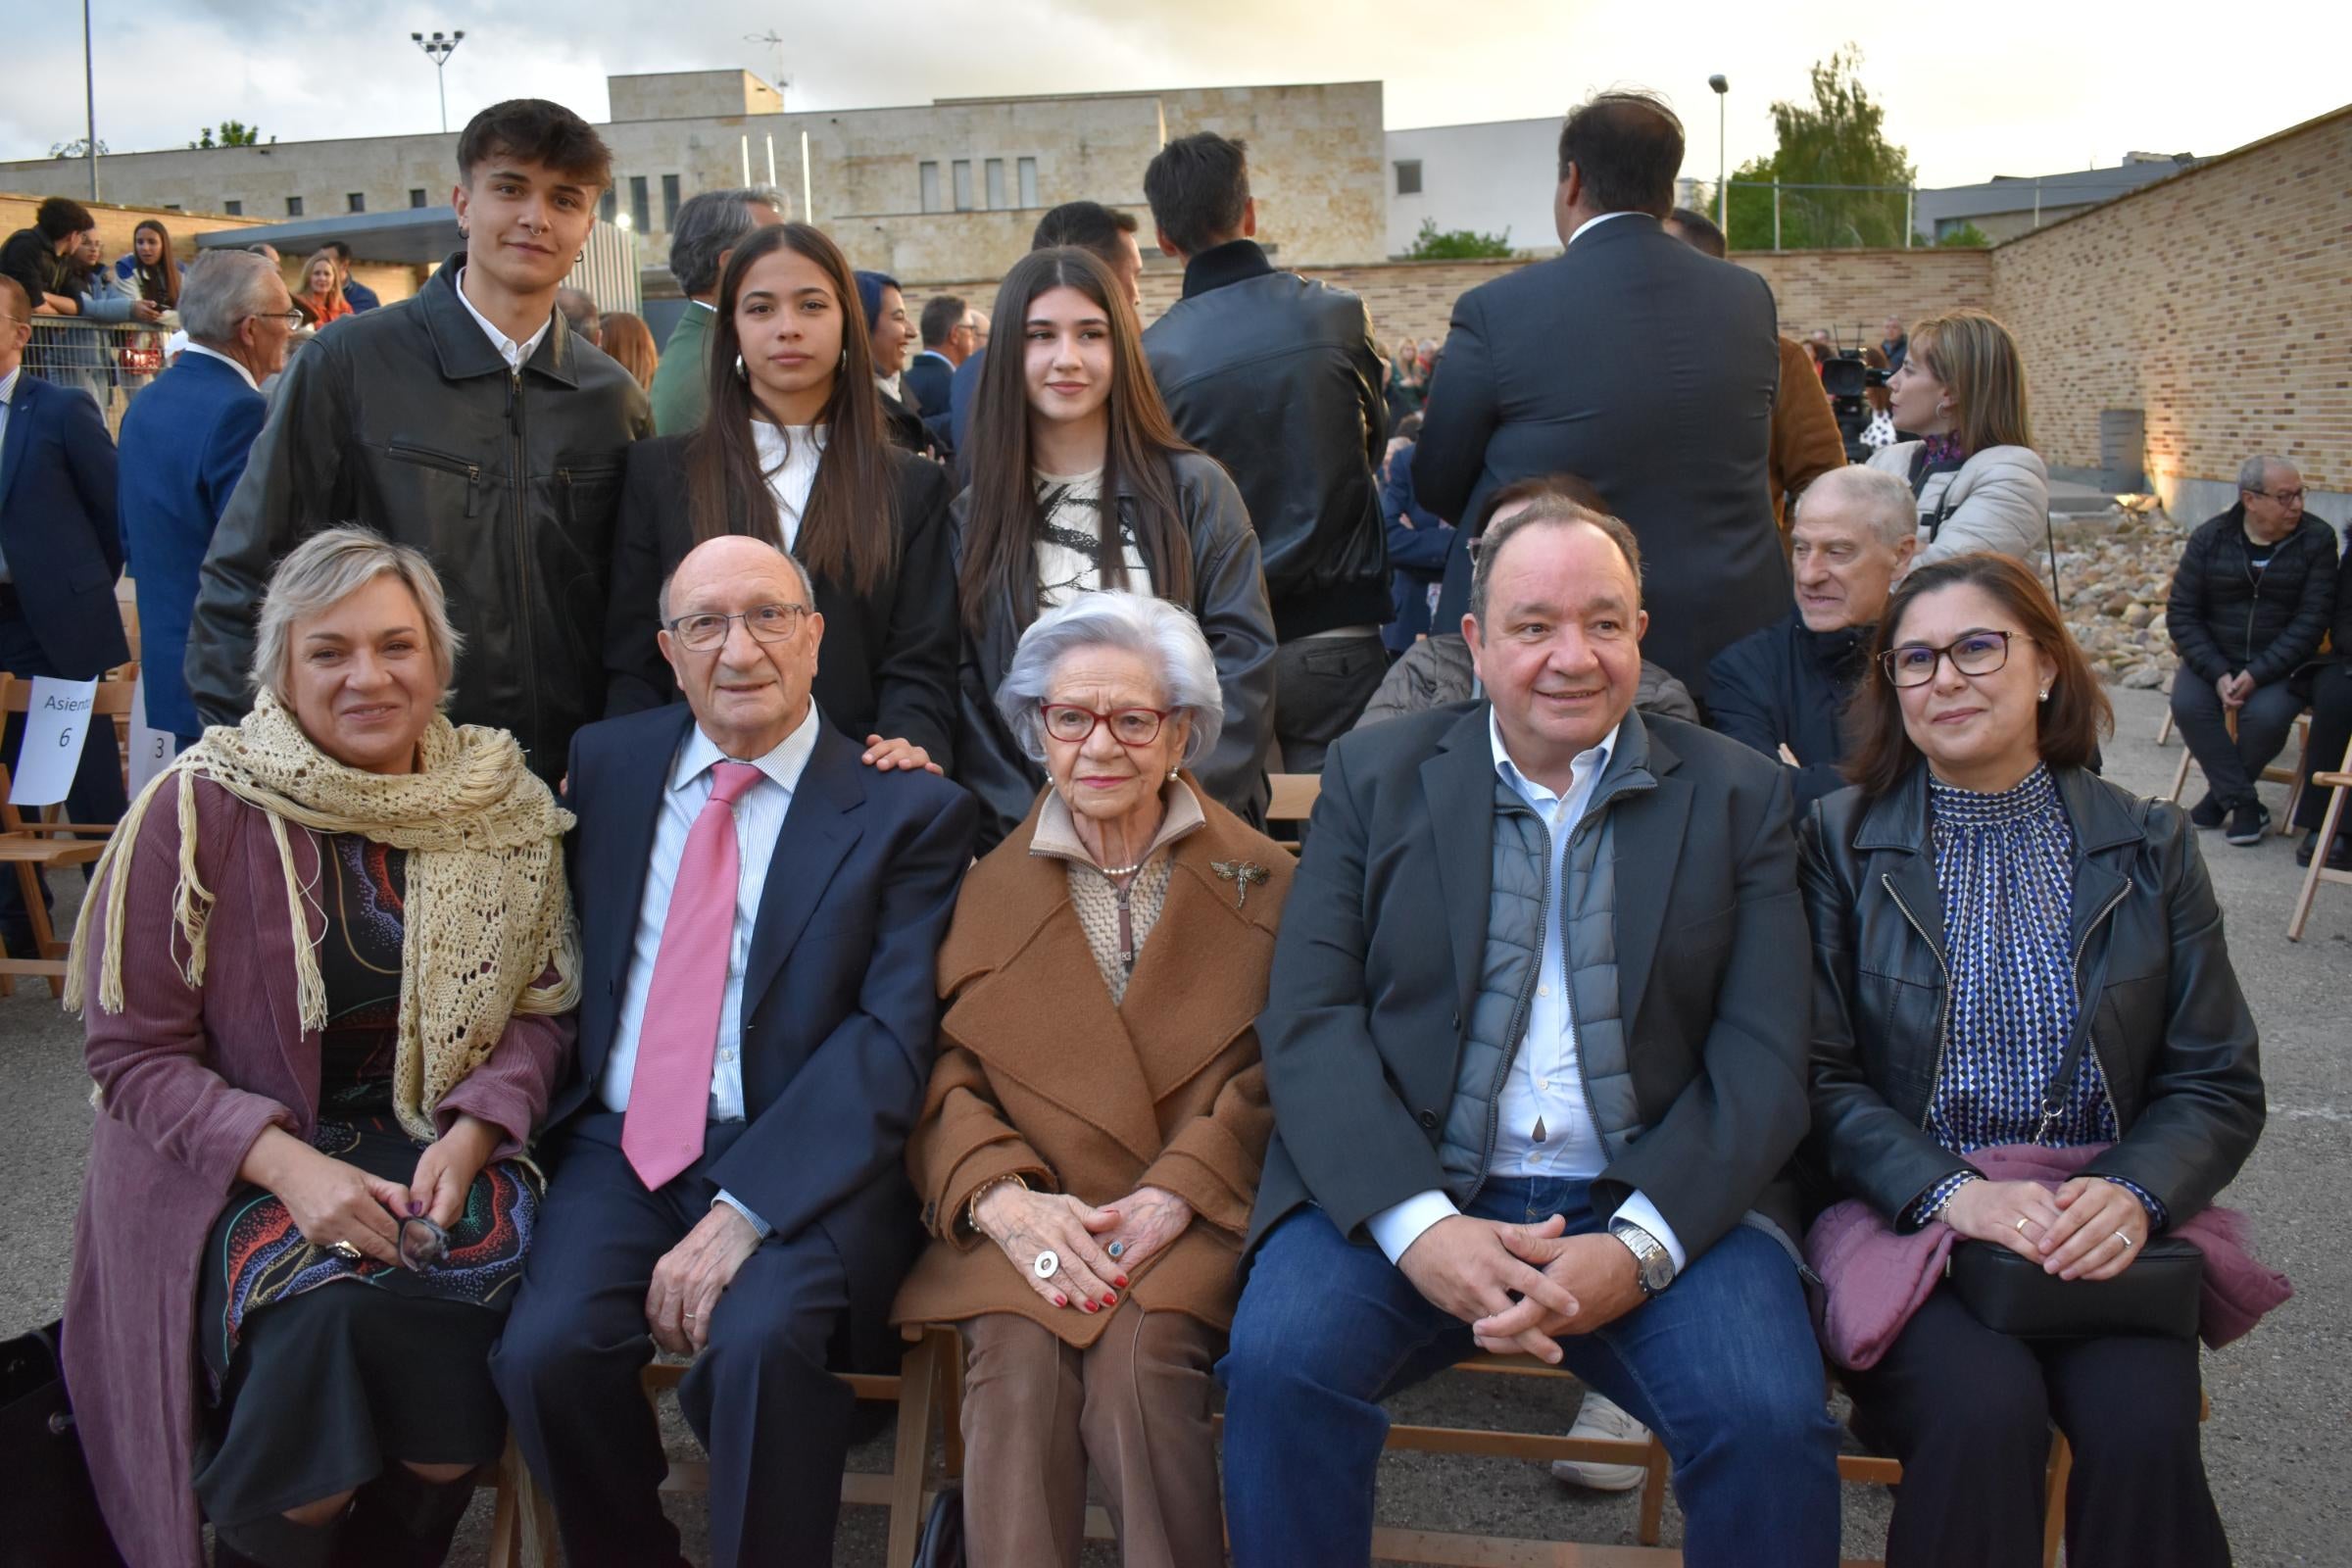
<point>2250,601</point>
<point>1566,1130</point>
<point>1782,690</point>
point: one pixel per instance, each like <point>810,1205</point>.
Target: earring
<point>741,374</point>
<point>845,361</point>
<point>2045,694</point>
<point>1173,772</point>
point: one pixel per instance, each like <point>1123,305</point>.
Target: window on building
<point>995,170</point>
<point>607,206</point>
<point>234,207</point>
<point>929,173</point>
<point>416,195</point>
<point>174,206</point>
<point>963,185</point>
<point>1028,173</point>
<point>1408,176</point>
<point>669,201</point>
<point>293,207</point>
<point>641,209</point>
<point>355,201</point>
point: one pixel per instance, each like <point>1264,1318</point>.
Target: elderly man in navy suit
<point>760,914</point>
<point>60,553</point>
<point>183,448</point>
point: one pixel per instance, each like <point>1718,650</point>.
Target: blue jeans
<point>1722,1366</point>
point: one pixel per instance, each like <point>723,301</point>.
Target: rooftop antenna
<point>776,42</point>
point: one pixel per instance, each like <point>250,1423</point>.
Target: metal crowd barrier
<point>110,363</point>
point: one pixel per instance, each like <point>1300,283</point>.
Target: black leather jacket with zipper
<point>409,421</point>
<point>2166,1018</point>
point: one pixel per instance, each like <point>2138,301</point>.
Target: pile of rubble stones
<point>2114,569</point>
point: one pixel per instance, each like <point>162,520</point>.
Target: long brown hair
<point>1002,520</point>
<point>629,343</point>
<point>1879,749</point>
<point>162,285</point>
<point>848,532</point>
<point>1977,360</point>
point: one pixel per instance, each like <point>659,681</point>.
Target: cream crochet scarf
<point>487,912</point>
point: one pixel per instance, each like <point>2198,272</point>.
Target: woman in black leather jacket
<point>1080,481</point>
<point>1976,902</point>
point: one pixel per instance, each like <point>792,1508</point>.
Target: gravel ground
<point>2277,1447</point>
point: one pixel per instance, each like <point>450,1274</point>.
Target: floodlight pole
<point>438,49</point>
<point>89,87</point>
<point>1723,188</point>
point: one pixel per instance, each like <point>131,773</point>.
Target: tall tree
<point>1836,140</point>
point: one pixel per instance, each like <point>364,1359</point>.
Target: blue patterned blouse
<point>2004,864</point>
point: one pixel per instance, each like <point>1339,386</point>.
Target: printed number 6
<point>65,737</point>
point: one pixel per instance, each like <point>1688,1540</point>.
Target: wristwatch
<point>1653,1265</point>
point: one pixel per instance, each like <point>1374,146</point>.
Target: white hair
<point>1165,635</point>
<point>2255,472</point>
<point>218,291</point>
<point>1882,497</point>
<point>327,568</point>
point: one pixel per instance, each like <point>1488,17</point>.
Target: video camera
<point>1845,377</point>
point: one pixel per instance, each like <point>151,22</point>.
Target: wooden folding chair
<point>927,1388</point>
<point>1294,795</point>
<point>2273,774</point>
<point>2334,782</point>
<point>36,847</point>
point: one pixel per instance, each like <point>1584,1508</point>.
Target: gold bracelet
<point>971,1207</point>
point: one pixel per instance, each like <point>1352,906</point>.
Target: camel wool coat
<point>1040,1074</point>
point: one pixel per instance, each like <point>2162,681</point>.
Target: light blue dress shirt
<point>758,823</point>
<point>1545,1084</point>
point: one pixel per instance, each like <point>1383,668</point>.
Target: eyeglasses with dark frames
<point>423,1245</point>
<point>1073,725</point>
<point>706,629</point>
<point>1974,653</point>
<point>2285,498</point>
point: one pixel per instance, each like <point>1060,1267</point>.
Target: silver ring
<point>1048,1264</point>
<point>690,1317</point>
<point>346,1251</point>
<point>1116,1250</point>
<point>2126,1239</point>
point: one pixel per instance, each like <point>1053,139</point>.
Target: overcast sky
<point>1992,87</point>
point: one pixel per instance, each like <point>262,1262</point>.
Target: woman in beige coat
<point>1090,1145</point>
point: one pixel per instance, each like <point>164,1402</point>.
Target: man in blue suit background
<point>760,914</point>
<point>183,447</point>
<point>60,553</point>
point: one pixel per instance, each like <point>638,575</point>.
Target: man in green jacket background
<point>706,233</point>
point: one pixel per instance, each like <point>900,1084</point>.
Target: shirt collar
<point>783,766</point>
<point>8,387</point>
<point>1586,766</point>
<point>1234,261</point>
<point>1593,222</point>
<point>215,354</point>
<point>1057,835</point>
<point>516,355</point>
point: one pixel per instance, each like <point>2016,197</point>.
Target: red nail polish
<point>1090,1307</point>
<point>1120,1282</point>
<point>1061,1299</point>
<point>1111,1298</point>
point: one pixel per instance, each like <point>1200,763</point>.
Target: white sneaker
<point>1600,1417</point>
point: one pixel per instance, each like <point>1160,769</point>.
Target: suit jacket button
<point>1428,1120</point>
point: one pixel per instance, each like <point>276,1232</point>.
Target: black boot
<point>401,1520</point>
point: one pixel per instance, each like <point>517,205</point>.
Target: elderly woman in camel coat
<point>1090,1145</point>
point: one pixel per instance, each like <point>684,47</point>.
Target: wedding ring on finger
<point>2021,1224</point>
<point>2126,1239</point>
<point>1048,1264</point>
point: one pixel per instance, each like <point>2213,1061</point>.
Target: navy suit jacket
<point>184,441</point>
<point>58,529</point>
<point>840,1000</point>
<point>926,382</point>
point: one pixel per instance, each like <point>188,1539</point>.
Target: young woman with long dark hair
<point>792,451</point>
<point>1079,481</point>
<point>149,265</point>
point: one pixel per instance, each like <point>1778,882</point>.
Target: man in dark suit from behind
<point>1640,364</point>
<point>1275,377</point>
<point>184,442</point>
<point>947,333</point>
<point>1562,1126</point>
<point>760,915</point>
<point>60,553</point>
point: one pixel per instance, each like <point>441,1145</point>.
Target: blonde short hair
<point>327,568</point>
<point>1974,355</point>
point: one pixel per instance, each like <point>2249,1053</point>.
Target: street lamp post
<point>1723,187</point>
<point>438,48</point>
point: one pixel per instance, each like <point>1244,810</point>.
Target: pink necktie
<point>669,1091</point>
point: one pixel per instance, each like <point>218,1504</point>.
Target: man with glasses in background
<point>2251,599</point>
<point>759,917</point>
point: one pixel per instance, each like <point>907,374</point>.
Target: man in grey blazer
<point>1634,362</point>
<point>1537,1051</point>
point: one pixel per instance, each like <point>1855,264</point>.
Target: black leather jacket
<point>408,422</point>
<point>1228,601</point>
<point>1274,376</point>
<point>2161,1001</point>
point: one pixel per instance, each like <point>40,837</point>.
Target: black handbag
<point>2160,1292</point>
<point>52,1514</point>
<point>941,1544</point>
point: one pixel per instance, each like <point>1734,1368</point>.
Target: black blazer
<point>1788,685</point>
<point>839,1004</point>
<point>2161,1001</point>
<point>1384,936</point>
<point>57,527</point>
<point>888,662</point>
<point>1649,369</point>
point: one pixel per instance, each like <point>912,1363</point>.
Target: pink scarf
<point>1876,1279</point>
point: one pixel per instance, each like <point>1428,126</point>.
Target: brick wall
<point>2219,302</point>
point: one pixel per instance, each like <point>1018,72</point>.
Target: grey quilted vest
<point>1518,906</point>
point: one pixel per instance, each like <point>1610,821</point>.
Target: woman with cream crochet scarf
<point>327,968</point>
